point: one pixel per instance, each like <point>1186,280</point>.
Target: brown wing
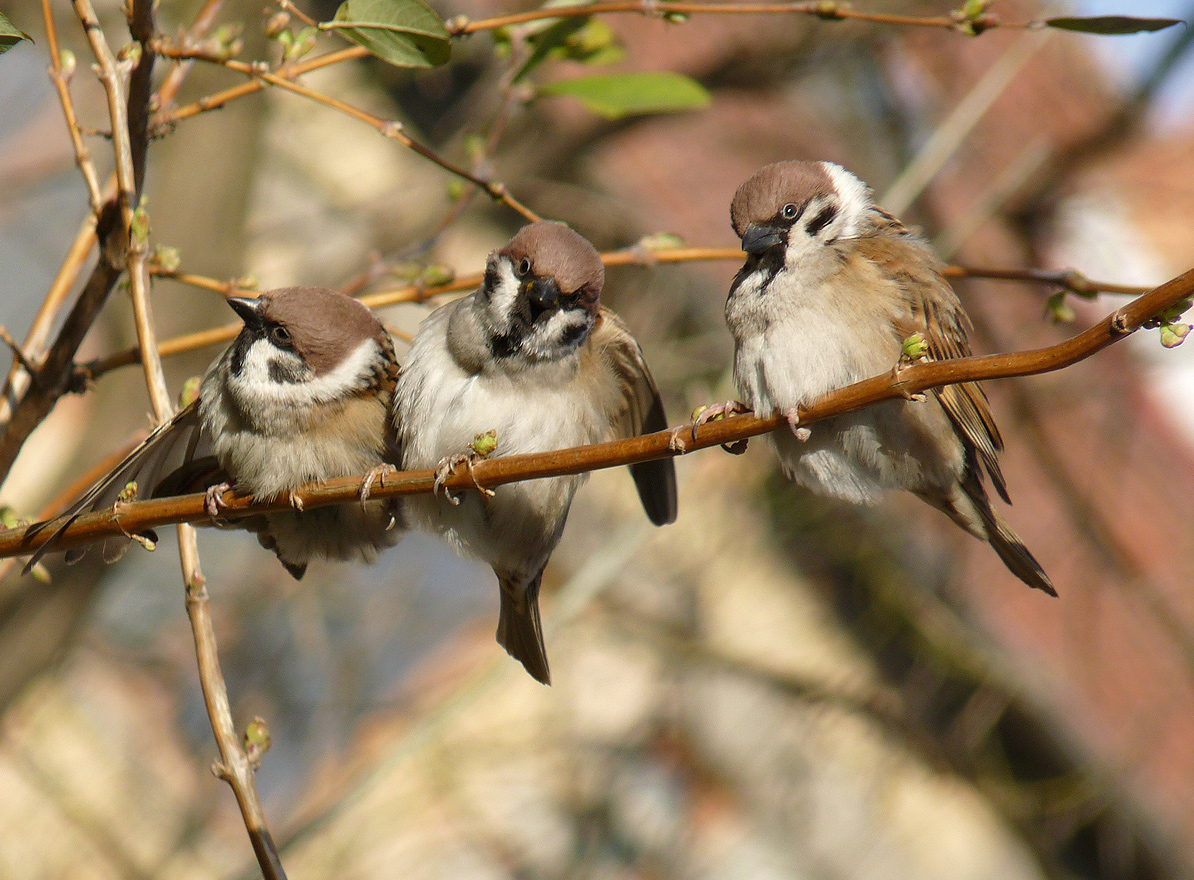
<point>174,459</point>
<point>936,313</point>
<point>636,410</point>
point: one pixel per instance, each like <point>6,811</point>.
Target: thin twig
<point>828,11</point>
<point>17,383</point>
<point>204,19</point>
<point>219,99</point>
<point>234,766</point>
<point>390,128</point>
<point>61,79</point>
<point>144,515</point>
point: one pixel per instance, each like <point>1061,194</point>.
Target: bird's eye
<point>280,336</point>
<point>789,211</point>
<point>524,267</point>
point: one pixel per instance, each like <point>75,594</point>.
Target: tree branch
<point>144,515</point>
<point>1067,279</point>
<point>972,25</point>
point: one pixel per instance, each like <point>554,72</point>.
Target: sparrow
<point>832,288</point>
<point>302,394</point>
<point>533,357</point>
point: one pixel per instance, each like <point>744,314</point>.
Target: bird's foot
<point>447,467</point>
<point>705,414</point>
<point>213,502</point>
<point>295,501</point>
<point>798,430</point>
<point>896,377</point>
<point>374,475</point>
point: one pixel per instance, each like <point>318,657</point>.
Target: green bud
<point>483,444</point>
<point>276,25</point>
<point>165,258</point>
<point>140,225</point>
<point>128,493</point>
<point>304,42</point>
<point>130,52</point>
<point>66,59</point>
<point>190,391</point>
<point>1173,335</point>
<point>1058,309</point>
<point>661,241</point>
<point>437,275</point>
<point>257,740</point>
<point>914,347</point>
<point>474,147</point>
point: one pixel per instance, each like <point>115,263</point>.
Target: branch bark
<point>144,515</point>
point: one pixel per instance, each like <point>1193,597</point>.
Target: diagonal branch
<point>390,128</point>
<point>144,515</point>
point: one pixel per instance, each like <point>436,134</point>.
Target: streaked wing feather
<point>176,458</point>
<point>937,314</point>
<point>639,411</point>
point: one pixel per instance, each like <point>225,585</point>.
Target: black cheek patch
<point>824,218</point>
<point>505,345</point>
<point>282,373</point>
<point>240,348</point>
<point>574,333</point>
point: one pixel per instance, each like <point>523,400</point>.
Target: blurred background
<point>774,687</point>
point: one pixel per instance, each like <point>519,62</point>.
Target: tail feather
<point>519,630</point>
<point>1018,559</point>
<point>968,505</point>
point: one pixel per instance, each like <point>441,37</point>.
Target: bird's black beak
<point>760,239</point>
<point>543,294</point>
<point>247,309</point>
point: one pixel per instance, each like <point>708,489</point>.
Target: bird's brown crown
<point>324,326</point>
<point>555,251</point>
<point>761,198</point>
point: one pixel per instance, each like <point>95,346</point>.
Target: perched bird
<point>831,289</point>
<point>533,357</point>
<point>302,394</point>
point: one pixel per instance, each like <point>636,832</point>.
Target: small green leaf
<point>1112,25</point>
<point>1059,310</point>
<point>9,35</point>
<point>626,94</point>
<point>405,33</point>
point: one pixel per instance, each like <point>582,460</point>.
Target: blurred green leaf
<point>588,40</point>
<point>626,94</point>
<point>547,40</point>
<point>405,33</point>
<point>1112,25</point>
<point>9,35</point>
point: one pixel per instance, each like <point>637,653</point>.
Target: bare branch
<point>827,11</point>
<point>61,79</point>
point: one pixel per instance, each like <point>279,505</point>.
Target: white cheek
<point>254,373</point>
<point>855,201</point>
<point>545,341</point>
<point>255,385</point>
<point>503,299</point>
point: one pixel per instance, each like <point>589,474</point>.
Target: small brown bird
<point>532,356</point>
<point>302,394</point>
<point>832,287</point>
